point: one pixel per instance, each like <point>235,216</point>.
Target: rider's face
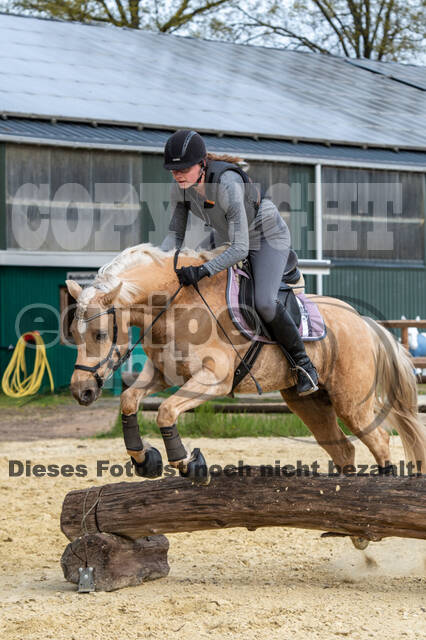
<point>187,177</point>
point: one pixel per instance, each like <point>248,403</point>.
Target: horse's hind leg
<point>361,422</point>
<point>319,415</point>
<point>146,459</point>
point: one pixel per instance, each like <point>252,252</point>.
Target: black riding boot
<point>285,332</point>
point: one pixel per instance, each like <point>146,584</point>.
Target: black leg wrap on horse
<point>174,447</point>
<point>132,437</point>
<point>152,466</point>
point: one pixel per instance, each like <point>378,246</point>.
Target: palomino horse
<point>365,376</point>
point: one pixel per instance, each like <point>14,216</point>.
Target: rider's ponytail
<point>226,158</point>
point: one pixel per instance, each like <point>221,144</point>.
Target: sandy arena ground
<point>266,584</point>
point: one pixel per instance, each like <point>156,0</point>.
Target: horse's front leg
<point>204,385</point>
<point>146,459</point>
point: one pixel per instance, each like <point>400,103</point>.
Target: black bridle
<point>113,349</point>
<point>113,366</point>
<point>108,360</point>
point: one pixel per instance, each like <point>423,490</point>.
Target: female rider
<point>216,192</point>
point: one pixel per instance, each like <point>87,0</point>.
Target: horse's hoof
<point>360,543</point>
<point>152,466</point>
<point>196,469</point>
<point>389,470</point>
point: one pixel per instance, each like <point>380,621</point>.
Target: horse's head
<point>100,330</point>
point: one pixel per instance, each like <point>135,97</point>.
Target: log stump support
<point>115,562</point>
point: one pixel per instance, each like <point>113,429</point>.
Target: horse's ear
<point>108,298</point>
<point>74,288</point>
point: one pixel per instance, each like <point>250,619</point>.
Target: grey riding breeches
<point>268,259</point>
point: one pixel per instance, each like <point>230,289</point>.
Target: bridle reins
<point>113,366</point>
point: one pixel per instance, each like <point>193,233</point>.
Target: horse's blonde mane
<point>108,276</point>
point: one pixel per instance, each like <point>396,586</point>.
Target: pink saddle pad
<point>312,325</point>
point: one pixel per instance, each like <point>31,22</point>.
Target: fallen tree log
<point>371,507</point>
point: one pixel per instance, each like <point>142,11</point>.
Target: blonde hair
<point>225,158</point>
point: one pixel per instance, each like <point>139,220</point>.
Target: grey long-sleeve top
<point>228,217</point>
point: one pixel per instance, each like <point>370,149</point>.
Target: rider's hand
<point>191,275</point>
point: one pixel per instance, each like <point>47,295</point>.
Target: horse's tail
<point>396,394</point>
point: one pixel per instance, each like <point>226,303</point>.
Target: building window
<point>72,200</point>
<point>373,214</point>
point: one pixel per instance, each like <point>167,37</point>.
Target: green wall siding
<point>33,294</point>
<point>34,291</point>
<point>380,292</point>
<point>2,196</point>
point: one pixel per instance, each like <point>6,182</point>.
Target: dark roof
<point>100,73</point>
<point>130,138</point>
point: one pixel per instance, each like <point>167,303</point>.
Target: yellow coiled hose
<point>11,383</point>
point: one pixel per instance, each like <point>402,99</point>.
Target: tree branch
<point>180,18</point>
<point>358,29</point>
<point>378,21</point>
<point>111,18</point>
<point>340,37</point>
<point>134,14</point>
<point>386,27</point>
<point>124,19</point>
<point>313,46</point>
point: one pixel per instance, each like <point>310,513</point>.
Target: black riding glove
<point>191,275</point>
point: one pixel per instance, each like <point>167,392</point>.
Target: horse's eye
<point>100,336</point>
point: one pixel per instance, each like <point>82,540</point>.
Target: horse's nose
<point>87,396</point>
<point>85,392</point>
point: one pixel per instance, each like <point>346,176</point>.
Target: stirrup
<point>314,386</point>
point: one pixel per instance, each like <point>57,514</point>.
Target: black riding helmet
<point>184,149</point>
